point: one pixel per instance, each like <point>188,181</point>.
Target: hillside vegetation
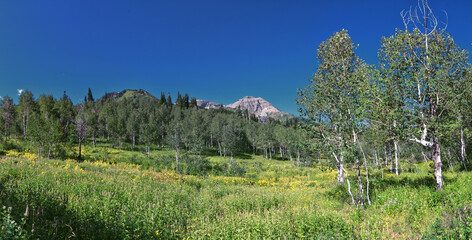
<point>118,199</point>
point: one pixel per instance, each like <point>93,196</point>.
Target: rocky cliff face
<point>207,104</point>
<point>260,107</point>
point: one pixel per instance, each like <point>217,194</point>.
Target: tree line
<point>50,125</point>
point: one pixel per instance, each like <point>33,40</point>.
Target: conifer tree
<point>90,96</point>
<point>169,100</point>
<point>179,100</point>
<point>162,101</point>
<point>8,115</point>
<point>186,101</point>
<point>193,103</point>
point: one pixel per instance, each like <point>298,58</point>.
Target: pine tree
<point>7,112</point>
<point>90,97</point>
<point>186,101</point>
<point>169,100</point>
<point>193,103</point>
<point>240,112</point>
<point>163,99</point>
<point>179,101</point>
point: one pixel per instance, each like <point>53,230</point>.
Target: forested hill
<point>128,93</point>
<point>258,107</point>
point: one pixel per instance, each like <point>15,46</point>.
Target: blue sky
<point>214,50</point>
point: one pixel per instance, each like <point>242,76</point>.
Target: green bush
<point>10,228</point>
<point>234,169</point>
<point>457,225</point>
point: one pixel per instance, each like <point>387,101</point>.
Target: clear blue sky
<point>214,50</point>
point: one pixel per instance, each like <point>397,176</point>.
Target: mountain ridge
<point>127,93</point>
<point>258,106</point>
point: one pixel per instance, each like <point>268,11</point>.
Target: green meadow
<point>119,194</point>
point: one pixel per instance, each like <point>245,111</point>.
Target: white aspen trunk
<point>298,158</point>
<point>386,156</point>
<point>281,152</point>
<point>437,164</point>
<point>340,166</point>
<point>368,183</point>
<point>219,148</point>
<point>232,160</point>
<point>340,173</point>
<point>359,179</point>
<point>94,141</point>
<point>376,159</point>
<point>133,142</point>
<point>366,175</point>
<point>390,156</point>
<point>463,149</point>
<point>162,140</point>
<point>211,140</point>
<point>395,143</point>
<point>349,187</point>
<point>24,124</point>
<point>177,159</point>
<point>49,151</point>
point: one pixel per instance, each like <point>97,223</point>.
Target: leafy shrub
<point>11,228</point>
<point>234,169</point>
<point>452,226</point>
<point>196,165</point>
<point>324,227</point>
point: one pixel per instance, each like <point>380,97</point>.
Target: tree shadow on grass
<point>243,156</point>
<point>417,182</point>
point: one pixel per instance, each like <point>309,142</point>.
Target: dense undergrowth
<point>117,194</point>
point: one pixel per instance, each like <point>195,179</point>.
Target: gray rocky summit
<point>258,106</point>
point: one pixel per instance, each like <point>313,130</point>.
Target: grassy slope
<point>98,200</point>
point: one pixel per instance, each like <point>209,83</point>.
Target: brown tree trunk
<point>80,148</point>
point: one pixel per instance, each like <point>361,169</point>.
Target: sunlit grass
<point>112,194</point>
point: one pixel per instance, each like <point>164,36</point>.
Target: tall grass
<point>117,198</point>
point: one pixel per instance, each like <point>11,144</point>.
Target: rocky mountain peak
<point>258,106</point>
<point>208,104</point>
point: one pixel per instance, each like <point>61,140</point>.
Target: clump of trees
<point>140,124</point>
<point>418,94</point>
